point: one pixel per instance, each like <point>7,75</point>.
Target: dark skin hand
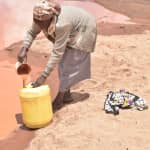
<point>40,80</point>
<point>22,54</point>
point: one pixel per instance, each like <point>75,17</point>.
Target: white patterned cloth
<point>123,99</point>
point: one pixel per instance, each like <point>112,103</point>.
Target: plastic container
<point>23,69</point>
<point>36,106</point>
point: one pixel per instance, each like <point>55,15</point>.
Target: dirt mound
<point>118,62</point>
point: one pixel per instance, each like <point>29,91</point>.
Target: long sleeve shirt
<point>75,29</point>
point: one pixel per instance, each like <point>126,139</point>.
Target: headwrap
<point>47,10</point>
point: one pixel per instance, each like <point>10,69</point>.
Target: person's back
<point>83,27</point>
<point>75,15</point>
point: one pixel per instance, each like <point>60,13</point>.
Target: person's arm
<point>62,36</point>
<point>29,38</point>
<point>31,35</point>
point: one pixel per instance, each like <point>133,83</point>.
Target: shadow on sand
<point>77,97</point>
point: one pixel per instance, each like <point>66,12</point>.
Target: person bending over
<point>73,33</point>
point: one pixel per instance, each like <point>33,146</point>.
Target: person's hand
<point>40,80</point>
<point>17,65</point>
<point>22,54</point>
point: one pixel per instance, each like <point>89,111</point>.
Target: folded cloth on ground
<point>123,99</point>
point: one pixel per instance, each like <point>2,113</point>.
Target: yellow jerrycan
<point>36,106</point>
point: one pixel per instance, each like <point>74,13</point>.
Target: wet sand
<point>18,140</point>
<point>10,85</point>
<point>12,130</point>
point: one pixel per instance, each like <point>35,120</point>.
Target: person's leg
<point>61,98</point>
<point>68,97</point>
<point>74,67</point>
<point>58,102</point>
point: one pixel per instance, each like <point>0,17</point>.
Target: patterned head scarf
<point>46,10</point>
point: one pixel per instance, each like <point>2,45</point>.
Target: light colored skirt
<point>75,66</point>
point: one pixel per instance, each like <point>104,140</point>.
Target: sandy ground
<point>121,60</point>
<point>118,62</point>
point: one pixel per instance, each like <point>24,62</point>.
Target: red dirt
<point>10,85</point>
<point>12,129</point>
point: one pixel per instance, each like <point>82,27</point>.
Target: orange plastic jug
<point>36,106</point>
